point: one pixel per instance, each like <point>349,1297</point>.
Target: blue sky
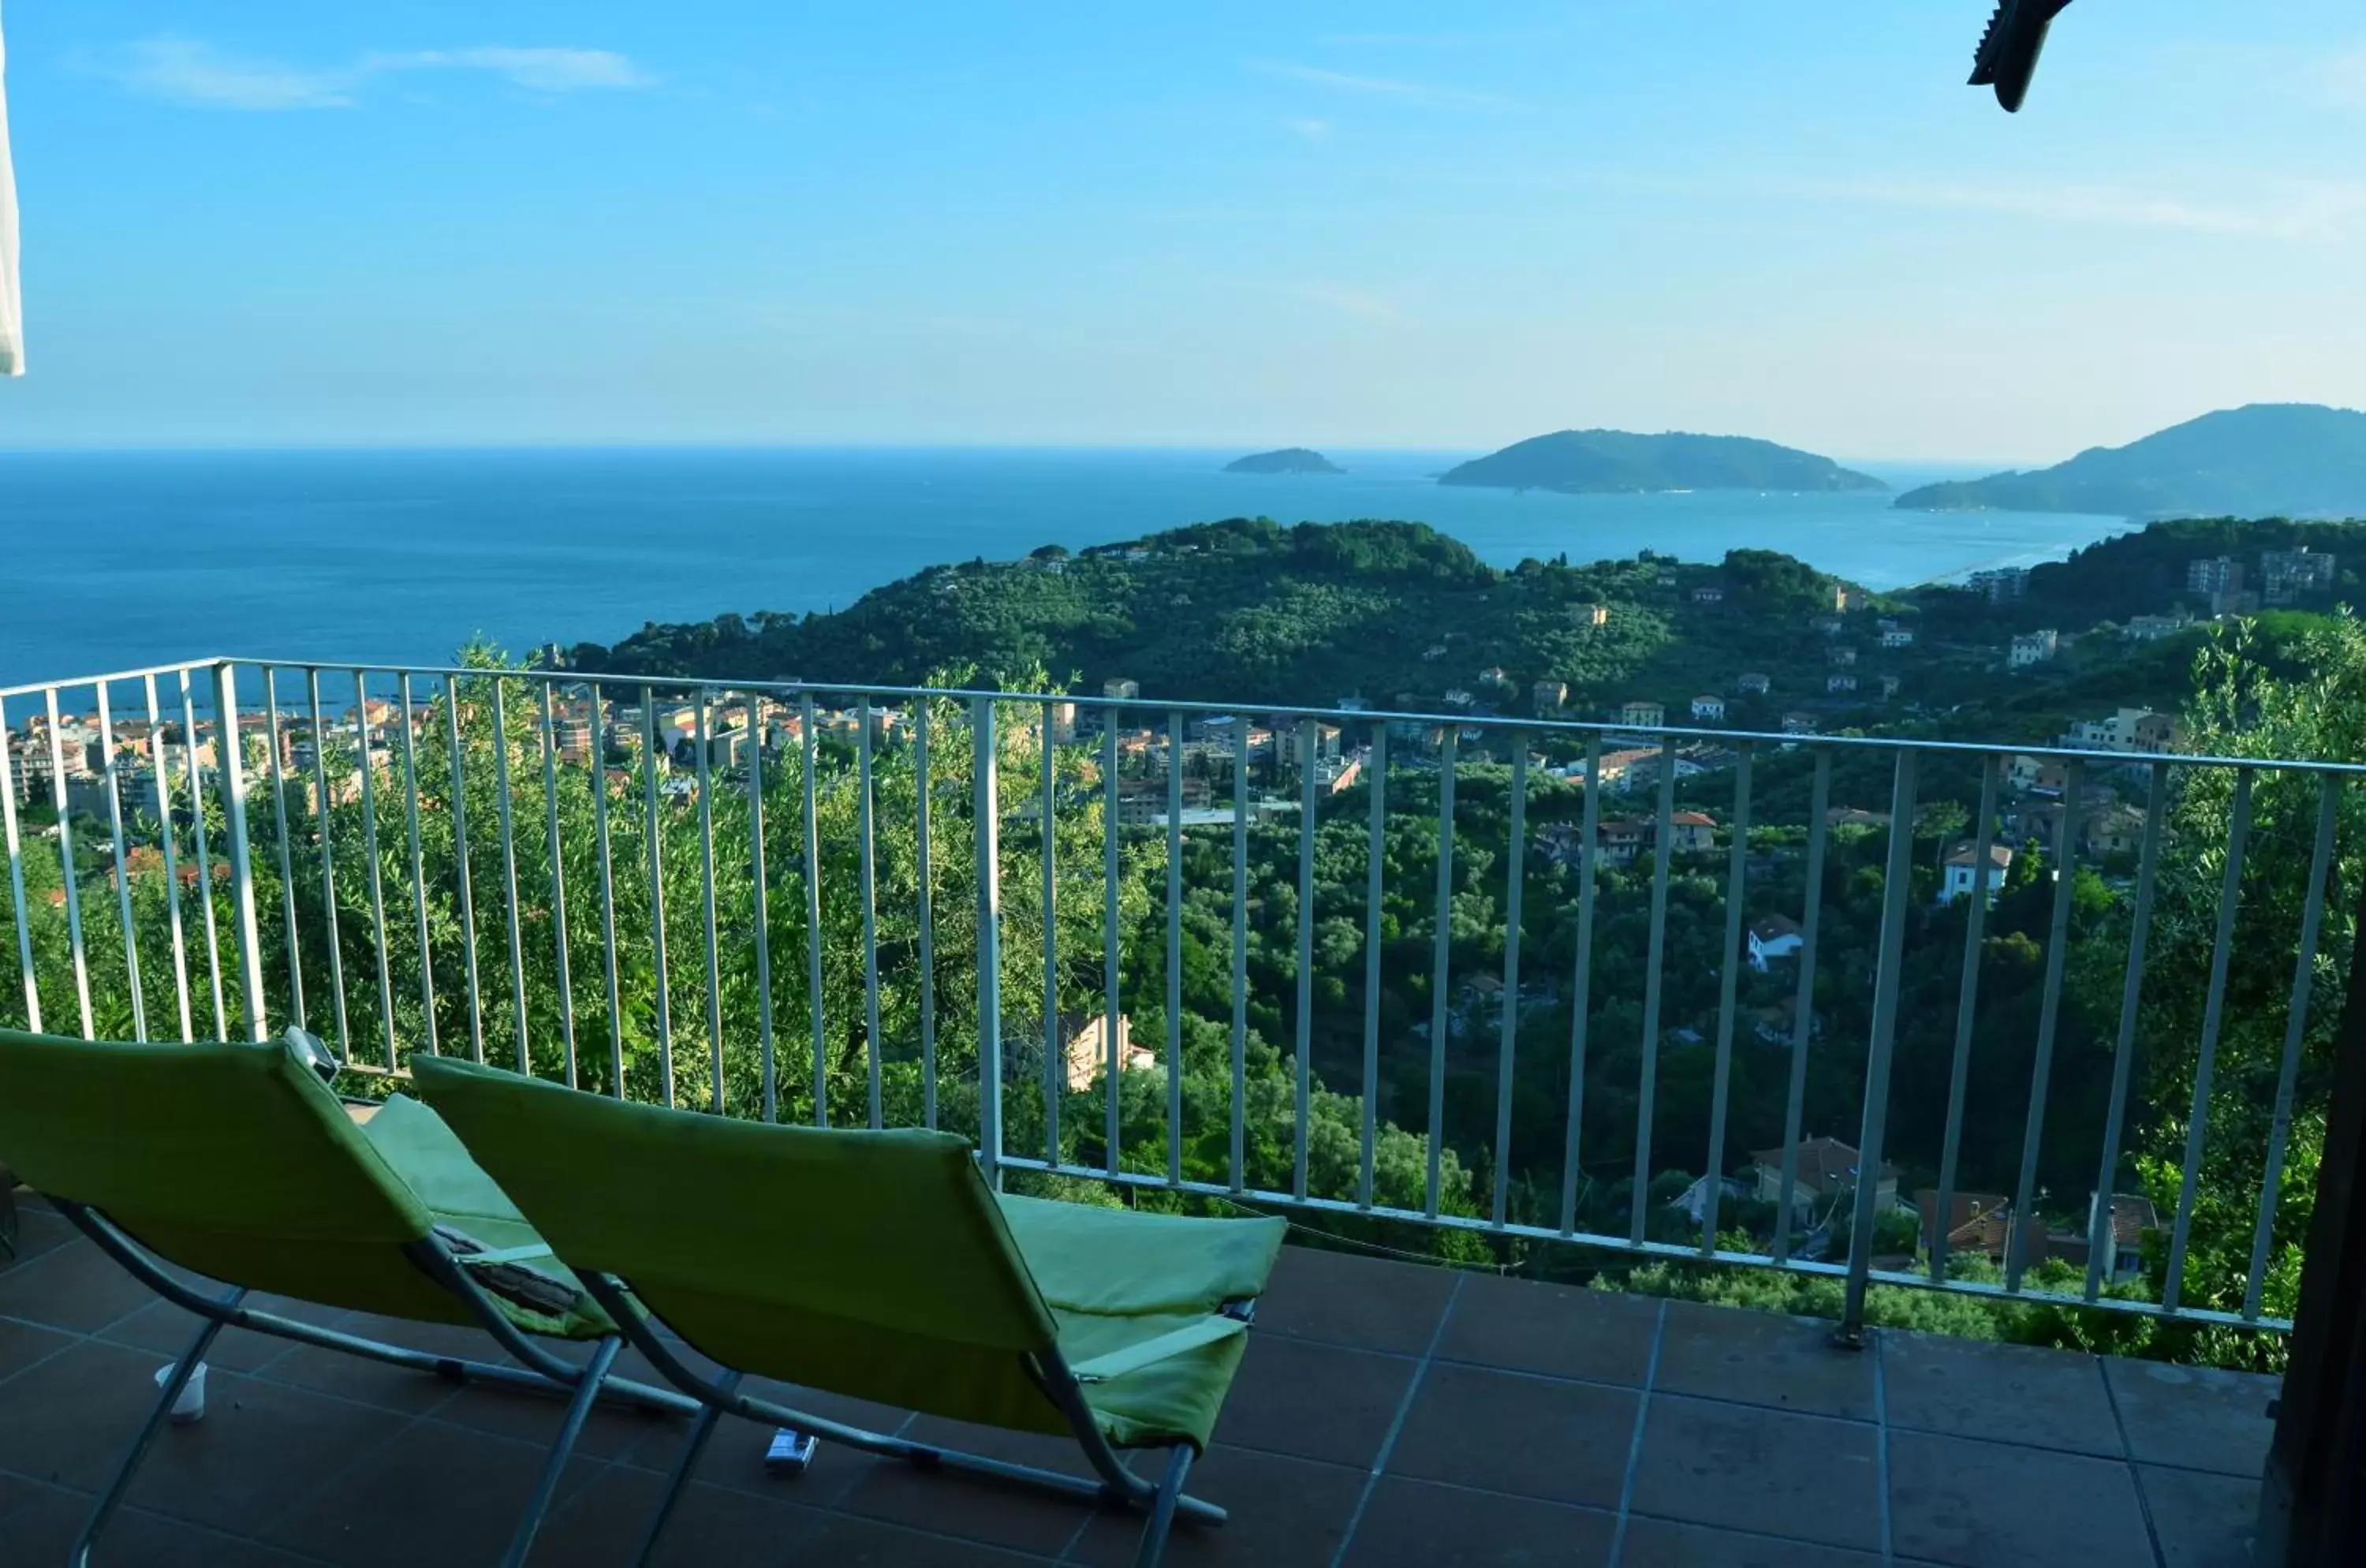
<point>1230,224</point>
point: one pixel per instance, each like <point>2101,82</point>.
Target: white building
<point>1961,876</point>
<point>2034,647</point>
<point>1775,937</point>
<point>2286,575</point>
<point>2000,584</point>
<point>1710,708</point>
<point>1898,637</point>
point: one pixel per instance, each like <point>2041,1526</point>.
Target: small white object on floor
<point>790,1451</point>
<point>191,1404</point>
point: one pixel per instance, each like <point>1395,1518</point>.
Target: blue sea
<point>114,560</point>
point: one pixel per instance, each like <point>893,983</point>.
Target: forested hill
<point>2145,573</point>
<point>2258,460</point>
<point>1252,611</point>
<point>1619,461</point>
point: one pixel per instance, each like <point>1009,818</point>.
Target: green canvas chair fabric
<point>874,1264</point>
<point>234,1159</point>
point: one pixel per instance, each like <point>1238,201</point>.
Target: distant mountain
<point>1288,460</point>
<point>1616,461</point>
<point>2263,459</point>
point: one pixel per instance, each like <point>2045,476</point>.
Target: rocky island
<point>1287,460</point>
<point>1615,462</point>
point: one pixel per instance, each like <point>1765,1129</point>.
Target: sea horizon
<point>403,554</point>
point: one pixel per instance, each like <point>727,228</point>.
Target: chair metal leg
<point>122,1481</point>
<point>1162,1510</point>
<point>692,1446</point>
<point>579,1410</point>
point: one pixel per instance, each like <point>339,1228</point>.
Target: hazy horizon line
<point>422,448</point>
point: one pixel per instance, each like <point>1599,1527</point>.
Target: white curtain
<point>12,312</point>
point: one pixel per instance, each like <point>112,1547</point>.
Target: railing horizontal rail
<point>1580,728</point>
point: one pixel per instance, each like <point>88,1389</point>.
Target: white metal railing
<point>325,948</point>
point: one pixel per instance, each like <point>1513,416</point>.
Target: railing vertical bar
<point>206,863</point>
<point>1728,968</point>
<point>2312,917</point>
<point>170,835</point>
<point>369,845</point>
<point>109,771</point>
<point>558,875</point>
<point>1508,1034</point>
<point>275,744</point>
<point>1966,1010</point>
<point>2101,1231</point>
<point>1888,980</point>
<point>321,818</point>
<point>241,849</point>
<point>1055,1055</point>
<point>1240,950</point>
<point>463,870</point>
<point>504,815</point>
<point>867,833</point>
<point>703,736</point>
<point>1646,1104</point>
<point>928,922</point>
<point>1581,986</point>
<point>1440,969</point>
<point>1803,1009</point>
<point>656,851</point>
<point>1174,948</point>
<point>1303,1088</point>
<point>2221,952</point>
<point>759,898</point>
<point>418,859</point>
<point>69,872</point>
<point>600,835</point>
<point>24,911</point>
<point>988,809</point>
<point>2040,1073</point>
<point>1376,779</point>
<point>810,744</point>
<point>1112,1131</point>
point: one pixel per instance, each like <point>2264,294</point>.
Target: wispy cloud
<point>198,76</point>
<point>543,70</point>
<point>1313,129</point>
<point>2342,79</point>
<point>183,71</point>
<point>1400,40</point>
<point>2295,211</point>
<point>1422,95</point>
<point>1349,299</point>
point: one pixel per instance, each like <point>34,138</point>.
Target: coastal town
<point>105,766</point>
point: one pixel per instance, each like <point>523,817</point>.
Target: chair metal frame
<point>1117,1487</point>
<point>541,1371</point>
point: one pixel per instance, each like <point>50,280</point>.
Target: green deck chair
<point>235,1162</point>
<point>879,1265</point>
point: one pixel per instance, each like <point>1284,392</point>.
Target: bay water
<point>114,560</point>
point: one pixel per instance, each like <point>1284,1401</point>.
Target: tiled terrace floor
<point>1387,1415</point>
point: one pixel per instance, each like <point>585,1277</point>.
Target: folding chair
<point>234,1162</point>
<point>879,1265</point>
